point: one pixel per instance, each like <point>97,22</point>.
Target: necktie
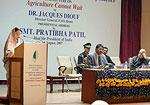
<point>99,60</point>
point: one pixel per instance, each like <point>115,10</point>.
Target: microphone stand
<point>21,39</point>
<point>33,39</point>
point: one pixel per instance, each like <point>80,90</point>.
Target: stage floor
<point>66,98</point>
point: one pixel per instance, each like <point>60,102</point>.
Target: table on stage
<point>115,86</point>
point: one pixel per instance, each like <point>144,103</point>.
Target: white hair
<point>99,102</point>
<point>142,50</point>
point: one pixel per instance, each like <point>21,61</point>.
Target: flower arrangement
<point>120,84</point>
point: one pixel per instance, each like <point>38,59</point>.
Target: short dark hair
<point>99,45</point>
<point>106,48</point>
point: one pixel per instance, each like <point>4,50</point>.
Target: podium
<point>28,74</point>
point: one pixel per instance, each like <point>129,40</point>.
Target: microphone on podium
<point>39,41</point>
<point>28,37</point>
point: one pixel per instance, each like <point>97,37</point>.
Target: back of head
<point>99,102</point>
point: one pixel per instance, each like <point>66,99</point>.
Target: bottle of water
<point>126,65</point>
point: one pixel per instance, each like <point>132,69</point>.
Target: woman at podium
<point>10,45</point>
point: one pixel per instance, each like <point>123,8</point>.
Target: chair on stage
<point>77,67</point>
<point>76,60</point>
<point>66,69</point>
<point>116,60</point>
<point>129,60</point>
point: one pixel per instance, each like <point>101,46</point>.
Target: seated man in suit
<point>97,59</point>
<point>110,62</point>
<point>82,57</point>
<point>139,60</point>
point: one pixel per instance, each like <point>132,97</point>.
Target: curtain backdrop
<point>130,39</point>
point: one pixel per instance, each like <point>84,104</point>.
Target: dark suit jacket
<point>92,60</point>
<point>137,62</point>
<point>110,61</point>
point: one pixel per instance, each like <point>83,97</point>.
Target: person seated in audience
<point>97,59</point>
<point>99,102</point>
<point>82,57</point>
<point>110,62</point>
<point>139,60</point>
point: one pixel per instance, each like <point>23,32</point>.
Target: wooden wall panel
<point>145,29</point>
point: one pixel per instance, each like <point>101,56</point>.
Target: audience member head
<point>99,49</point>
<point>17,33</point>
<point>100,102</point>
<point>142,53</point>
<point>87,47</point>
<point>105,50</point>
